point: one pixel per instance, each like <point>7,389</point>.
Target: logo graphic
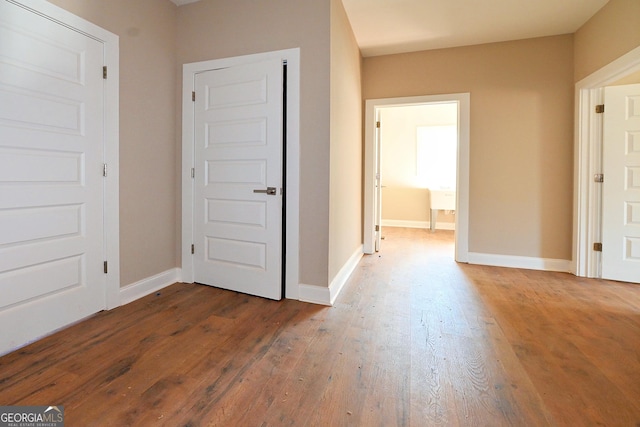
<point>54,408</point>
<point>31,416</point>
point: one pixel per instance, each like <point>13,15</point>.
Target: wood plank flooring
<point>414,339</point>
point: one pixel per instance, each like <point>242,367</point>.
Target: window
<point>436,155</point>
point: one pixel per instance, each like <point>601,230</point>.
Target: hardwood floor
<point>413,340</point>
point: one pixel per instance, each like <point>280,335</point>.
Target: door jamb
<point>587,200</point>
<point>292,56</point>
<point>462,193</point>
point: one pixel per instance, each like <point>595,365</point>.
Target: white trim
<point>462,193</point>
<point>587,227</point>
<point>111,133</point>
<point>343,275</point>
<point>529,263</point>
<point>149,285</point>
<point>112,180</point>
<point>292,56</point>
<point>327,295</point>
<point>417,224</point>
<point>314,294</point>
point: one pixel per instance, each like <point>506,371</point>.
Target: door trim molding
<point>292,56</point>
<point>587,200</point>
<point>111,145</point>
<point>462,194</point>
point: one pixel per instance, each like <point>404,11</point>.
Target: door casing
<point>292,57</point>
<point>587,200</point>
<point>462,213</point>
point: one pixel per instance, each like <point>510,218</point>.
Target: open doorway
<point>418,156</point>
<point>417,182</point>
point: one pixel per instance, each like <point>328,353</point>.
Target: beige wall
<point>147,31</point>
<point>212,29</point>
<point>609,34</point>
<point>345,204</point>
<point>406,204</point>
<point>521,137</point>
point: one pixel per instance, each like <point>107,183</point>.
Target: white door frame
<point>111,136</point>
<point>462,193</point>
<point>292,56</point>
<point>587,203</point>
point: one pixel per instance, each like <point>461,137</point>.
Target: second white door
<point>621,195</point>
<point>238,178</point>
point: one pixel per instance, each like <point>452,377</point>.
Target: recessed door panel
<point>36,51</point>
<point>236,252</point>
<point>237,212</point>
<point>35,281</point>
<point>251,172</point>
<point>38,111</point>
<point>238,132</point>
<point>237,91</point>
<point>632,249</point>
<point>40,166</point>
<point>29,225</point>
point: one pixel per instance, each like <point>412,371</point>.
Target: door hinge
<point>104,169</point>
<point>600,108</point>
<point>104,72</point>
<point>106,269</point>
<point>193,96</point>
<point>599,177</point>
<point>193,248</point>
<point>378,124</point>
<point>377,228</point>
<point>597,247</point>
<point>193,172</point>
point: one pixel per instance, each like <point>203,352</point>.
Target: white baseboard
<point>417,224</point>
<point>149,285</point>
<point>529,263</point>
<point>314,294</point>
<point>327,295</point>
<point>345,272</point>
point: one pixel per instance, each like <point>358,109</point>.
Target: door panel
<point>238,149</point>
<point>621,191</point>
<point>51,195</point>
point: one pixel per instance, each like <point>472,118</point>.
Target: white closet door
<point>51,184</point>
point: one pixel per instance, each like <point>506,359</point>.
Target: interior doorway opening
<point>422,125</point>
<point>418,170</point>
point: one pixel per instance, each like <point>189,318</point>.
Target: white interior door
<point>621,191</point>
<point>238,178</point>
<point>51,184</point>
